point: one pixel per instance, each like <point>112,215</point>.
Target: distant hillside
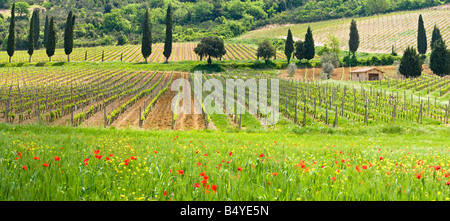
<point>377,33</point>
<point>103,22</point>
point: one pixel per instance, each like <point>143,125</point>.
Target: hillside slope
<point>377,33</point>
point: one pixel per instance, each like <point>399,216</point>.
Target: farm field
<point>118,97</point>
<point>379,141</point>
<point>60,163</point>
<point>132,53</point>
<point>377,33</point>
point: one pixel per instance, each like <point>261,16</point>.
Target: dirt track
<point>130,118</point>
<point>337,74</point>
<point>160,117</point>
<point>189,121</point>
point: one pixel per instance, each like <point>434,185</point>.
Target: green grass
<point>297,165</point>
<point>216,66</point>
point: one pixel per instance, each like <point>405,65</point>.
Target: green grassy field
<point>371,163</point>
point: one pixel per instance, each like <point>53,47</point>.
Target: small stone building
<point>366,74</point>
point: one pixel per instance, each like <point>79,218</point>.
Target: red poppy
<point>57,158</point>
<point>107,158</point>
<point>230,153</point>
<point>205,177</point>
<point>261,155</point>
<point>437,167</point>
<point>96,151</point>
<point>197,185</point>
<point>239,169</point>
<point>419,176</point>
<point>381,158</point>
<point>111,155</point>
<point>98,157</point>
<point>206,154</point>
<point>357,168</point>
<point>24,167</point>
<point>364,167</point>
<point>202,173</point>
<point>45,164</point>
<point>170,170</point>
<point>275,174</point>
<point>85,161</point>
<point>181,172</point>
<point>199,164</point>
<point>36,158</point>
<point>333,178</point>
<point>133,158</point>
<point>155,151</point>
<point>447,183</point>
<point>165,192</point>
<point>214,188</point>
<point>446,175</point>
<point>204,182</point>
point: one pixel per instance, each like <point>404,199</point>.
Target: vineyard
<point>121,98</point>
<point>376,33</point>
<point>377,140</point>
<point>132,53</point>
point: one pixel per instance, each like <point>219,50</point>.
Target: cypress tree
<point>299,50</point>
<point>146,48</point>
<point>31,36</point>
<point>11,37</point>
<point>421,37</point>
<point>36,28</point>
<point>168,40</point>
<point>289,46</point>
<point>46,31</point>
<point>353,43</point>
<point>435,36</point>
<point>51,39</point>
<point>68,35</point>
<point>410,65</point>
<point>439,58</point>
<point>309,45</point>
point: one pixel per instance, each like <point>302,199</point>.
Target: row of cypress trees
<point>49,35</point>
<point>146,48</point>
<point>306,49</point>
<point>411,64</point>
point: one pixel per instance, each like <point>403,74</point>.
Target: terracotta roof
<point>363,70</point>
